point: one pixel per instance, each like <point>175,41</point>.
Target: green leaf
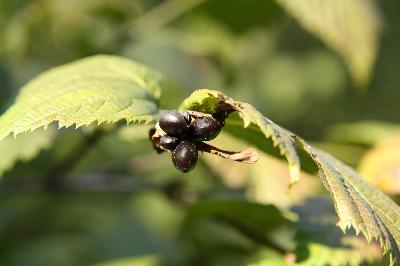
<point>366,133</point>
<point>23,148</point>
<point>349,27</point>
<point>149,260</point>
<point>381,165</point>
<point>246,224</point>
<point>268,258</point>
<point>263,217</point>
<point>358,204</point>
<point>322,255</point>
<point>321,243</point>
<point>101,88</point>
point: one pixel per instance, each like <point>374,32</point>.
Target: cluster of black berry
<point>183,134</point>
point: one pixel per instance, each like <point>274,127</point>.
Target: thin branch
<point>249,155</point>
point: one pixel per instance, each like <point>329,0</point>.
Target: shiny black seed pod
<point>185,156</point>
<point>205,128</point>
<point>173,123</point>
<point>169,142</point>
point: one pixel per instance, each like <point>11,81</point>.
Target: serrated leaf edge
<point>384,236</point>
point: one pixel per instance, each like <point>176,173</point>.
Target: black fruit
<point>185,156</point>
<point>173,123</point>
<point>168,142</point>
<point>187,117</point>
<point>205,128</point>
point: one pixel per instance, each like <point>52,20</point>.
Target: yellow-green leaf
<point>99,89</point>
<point>148,260</point>
<point>381,165</point>
<point>23,148</point>
<point>351,27</point>
<point>358,204</point>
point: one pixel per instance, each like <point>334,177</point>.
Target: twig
<point>249,155</point>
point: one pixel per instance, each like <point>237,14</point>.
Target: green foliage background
<point>107,199</point>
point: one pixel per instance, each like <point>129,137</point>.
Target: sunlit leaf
<point>96,89</point>
<point>358,204</point>
<point>23,148</point>
<point>150,260</point>
<point>268,258</point>
<point>269,261</point>
<point>350,27</point>
<point>381,165</point>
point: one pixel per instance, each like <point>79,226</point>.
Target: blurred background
<point>326,70</point>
